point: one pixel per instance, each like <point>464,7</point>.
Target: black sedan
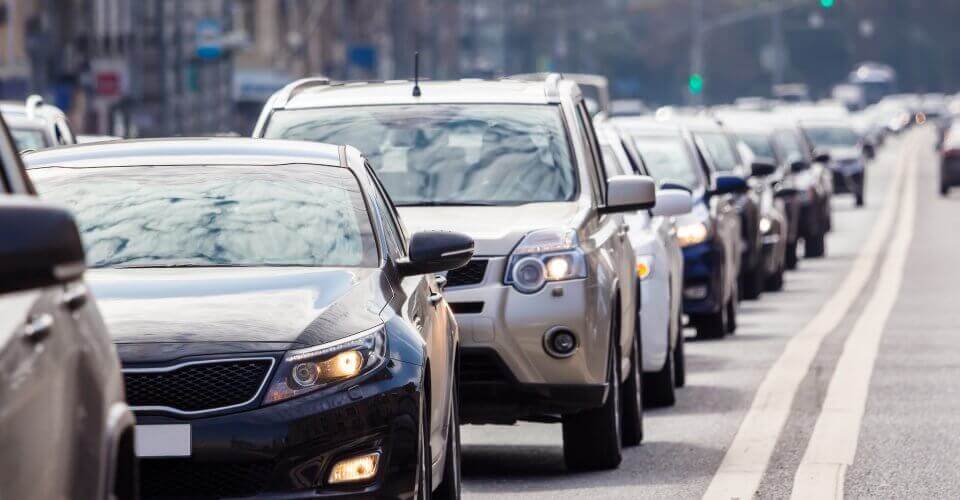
<point>279,336</point>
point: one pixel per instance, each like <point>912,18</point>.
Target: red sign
<point>108,84</point>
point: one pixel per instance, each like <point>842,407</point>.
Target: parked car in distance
<point>279,332</point>
<point>63,411</point>
<point>839,141</point>
<point>549,303</point>
<point>710,234</point>
<point>950,159</point>
<point>659,264</point>
<point>34,124</point>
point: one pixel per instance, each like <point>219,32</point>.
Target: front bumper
<point>286,450</point>
<point>702,278</point>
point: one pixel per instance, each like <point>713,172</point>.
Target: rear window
<point>721,150</point>
<point>759,144</point>
<point>668,159</point>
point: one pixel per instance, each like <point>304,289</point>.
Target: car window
<point>394,235</point>
<point>833,137</point>
<point>489,154</point>
<point>790,146</point>
<point>29,138</point>
<point>586,124</point>
<point>720,149</point>
<point>610,160</point>
<point>215,215</point>
<point>668,159</point>
<point>759,144</point>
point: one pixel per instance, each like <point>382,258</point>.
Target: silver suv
<point>546,309</point>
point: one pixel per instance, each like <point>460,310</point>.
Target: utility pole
<point>695,98</point>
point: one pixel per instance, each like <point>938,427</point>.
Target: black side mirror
<point>676,185</point>
<point>436,251</point>
<point>762,168</point>
<point>821,157</point>
<point>869,151</point>
<point>731,184</point>
<point>799,166</point>
<point>786,193</point>
<point>40,245</point>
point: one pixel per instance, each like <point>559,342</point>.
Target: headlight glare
<point>692,234</point>
<point>765,225</point>
<point>545,256</point>
<point>644,266</point>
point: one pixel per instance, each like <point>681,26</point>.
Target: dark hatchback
<point>278,334</point>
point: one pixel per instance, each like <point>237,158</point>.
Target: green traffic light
<point>826,4</point>
<point>696,83</point>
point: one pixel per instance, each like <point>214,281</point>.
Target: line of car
<point>315,311</point>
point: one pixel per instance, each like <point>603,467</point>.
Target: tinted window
<point>759,144</point>
<point>668,160</point>
<point>212,215</point>
<point>790,146</point>
<point>833,137</point>
<point>449,154</point>
<point>720,149</point>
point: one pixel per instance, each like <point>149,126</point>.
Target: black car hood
<point>228,308</point>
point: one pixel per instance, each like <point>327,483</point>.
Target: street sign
<point>209,39</point>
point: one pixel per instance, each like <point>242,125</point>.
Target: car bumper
<point>702,278</point>
<point>654,318</point>
<point>287,449</point>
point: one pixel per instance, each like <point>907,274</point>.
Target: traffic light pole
<point>695,96</point>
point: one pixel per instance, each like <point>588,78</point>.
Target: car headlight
<point>765,225</point>
<point>644,266</point>
<point>306,370</point>
<point>692,234</point>
<point>545,256</point>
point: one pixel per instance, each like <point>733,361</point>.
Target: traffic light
<point>827,4</point>
<point>695,84</point>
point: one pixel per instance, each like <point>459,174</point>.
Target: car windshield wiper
<point>452,204</point>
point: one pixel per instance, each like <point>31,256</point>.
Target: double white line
<point>833,444</point>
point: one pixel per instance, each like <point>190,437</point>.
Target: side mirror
<point>436,251</point>
<point>821,157</point>
<point>799,166</point>
<point>40,246</point>
<point>672,202</point>
<point>869,151</point>
<point>762,168</point>
<point>786,193</point>
<point>731,184</point>
<point>629,193</point>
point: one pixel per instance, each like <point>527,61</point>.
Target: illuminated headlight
<point>692,234</point>
<point>307,370</point>
<point>765,225</point>
<point>355,469</point>
<point>644,266</point>
<point>545,256</point>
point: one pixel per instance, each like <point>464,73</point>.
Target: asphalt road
<point>855,424</point>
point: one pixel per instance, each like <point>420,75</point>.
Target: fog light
<point>355,469</point>
<point>696,292</point>
<point>560,343</point>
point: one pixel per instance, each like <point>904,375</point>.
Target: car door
<point>725,216</point>
<point>429,313</point>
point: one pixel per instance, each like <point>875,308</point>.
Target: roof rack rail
<point>295,87</point>
<point>34,103</point>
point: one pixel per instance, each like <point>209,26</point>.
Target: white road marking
<point>746,459</point>
<point>833,444</point>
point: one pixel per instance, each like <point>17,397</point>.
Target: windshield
<point>833,137</point>
<point>29,138</point>
<point>759,144</point>
<point>721,150</point>
<point>668,160</point>
<point>214,215</point>
<point>449,154</point>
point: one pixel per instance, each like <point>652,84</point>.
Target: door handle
<point>435,298</point>
<point>74,297</point>
<point>38,327</point>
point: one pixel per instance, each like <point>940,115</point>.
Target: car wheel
<point>753,282</point>
<point>732,317</point>
<point>859,199</point>
<point>944,189</point>
<point>631,394</point>
<point>791,257</point>
<point>591,438</point>
<point>711,326</point>
<point>814,246</point>
<point>424,468</point>
<point>774,282</point>
<point>449,488</point>
<point>659,386</point>
<point>679,358</point>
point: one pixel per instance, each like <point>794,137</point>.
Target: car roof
<point>506,91</point>
<point>826,122</point>
<point>187,151</point>
<point>646,125</point>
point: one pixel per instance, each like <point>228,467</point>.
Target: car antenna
<point>416,74</point>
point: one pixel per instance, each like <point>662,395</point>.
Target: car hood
<point>496,230</point>
<point>275,306</point>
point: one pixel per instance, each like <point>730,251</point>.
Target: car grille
<point>205,386</point>
<point>470,274</point>
<point>184,478</point>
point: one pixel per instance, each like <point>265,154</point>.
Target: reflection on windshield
<point>759,144</point>
<point>833,137</point>
<point>29,138</point>
<point>449,154</point>
<point>290,215</point>
<point>667,160</point>
<point>720,150</point>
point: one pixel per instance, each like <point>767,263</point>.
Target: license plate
<point>162,440</point>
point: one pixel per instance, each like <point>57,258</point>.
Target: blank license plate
<point>162,440</point>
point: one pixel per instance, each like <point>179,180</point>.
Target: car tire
<point>774,282</point>
<point>450,486</point>
<point>859,199</point>
<point>631,396</point>
<point>753,282</point>
<point>732,317</point>
<point>659,386</point>
<point>424,468</point>
<point>944,189</point>
<point>711,326</point>
<point>814,246</point>
<point>591,438</point>
<point>791,257</point>
<point>679,358</point>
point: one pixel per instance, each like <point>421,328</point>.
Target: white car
<point>652,234</point>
